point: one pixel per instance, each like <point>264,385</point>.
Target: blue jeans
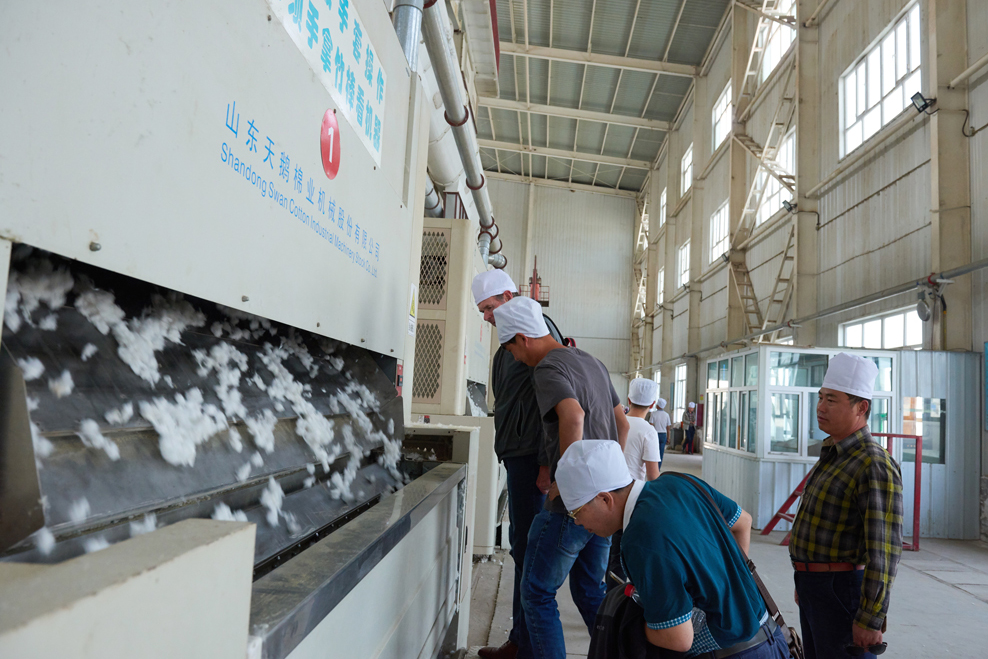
<point>827,604</point>
<point>662,447</point>
<point>559,547</point>
<point>525,500</point>
<point>688,442</point>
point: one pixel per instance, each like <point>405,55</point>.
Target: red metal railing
<point>784,514</point>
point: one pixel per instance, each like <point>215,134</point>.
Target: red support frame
<point>784,514</point>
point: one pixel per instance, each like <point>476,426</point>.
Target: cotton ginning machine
<point>205,324</point>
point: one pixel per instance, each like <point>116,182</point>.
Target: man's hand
<point>553,491</point>
<point>543,481</point>
<point>865,637</point>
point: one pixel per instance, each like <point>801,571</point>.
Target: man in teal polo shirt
<point>684,561</point>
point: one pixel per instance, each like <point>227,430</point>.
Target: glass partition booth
<point>761,435</point>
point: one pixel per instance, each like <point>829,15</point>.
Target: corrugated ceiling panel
<point>591,137</point>
<point>648,144</point>
<point>561,132</point>
<point>539,69</point>
<point>483,125</point>
<point>618,141</point>
<point>506,75</point>
<point>538,128</point>
<point>566,78</point>
<point>667,97</point>
<point>655,21</point>
<point>558,169</point>
<point>633,179</point>
<point>690,44</point>
<point>538,22</point>
<point>583,172</point>
<point>612,26</point>
<point>488,160</point>
<point>571,24</point>
<point>608,175</point>
<point>506,125</point>
<point>598,89</point>
<point>633,92</point>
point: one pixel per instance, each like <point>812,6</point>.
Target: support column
<point>950,198</point>
<point>808,137</point>
<point>669,246</point>
<point>738,190</point>
<point>698,229</point>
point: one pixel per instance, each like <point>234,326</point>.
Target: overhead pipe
<point>438,39</point>
<point>407,21</point>
<point>433,204</point>
<point>845,306</point>
<point>968,72</point>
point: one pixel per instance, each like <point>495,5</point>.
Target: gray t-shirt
<point>571,373</point>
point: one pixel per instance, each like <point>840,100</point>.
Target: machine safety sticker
<point>251,154</point>
<point>331,36</point>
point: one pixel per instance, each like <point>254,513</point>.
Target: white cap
<point>642,391</point>
<point>491,283</point>
<point>661,403</point>
<point>519,315</point>
<point>589,467</point>
<point>691,405</point>
<point>851,374</point>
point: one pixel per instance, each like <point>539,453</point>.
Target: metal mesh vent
<point>434,269</point>
<point>428,378</point>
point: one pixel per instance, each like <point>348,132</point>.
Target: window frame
<point>683,274</point>
<point>662,209</point>
<point>679,392</point>
<point>722,114</point>
<point>660,285</point>
<point>903,313</point>
<point>872,61</point>
<point>718,232</point>
<point>686,171</point>
<point>773,49</point>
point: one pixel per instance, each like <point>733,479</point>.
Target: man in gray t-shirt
<point>576,400</point>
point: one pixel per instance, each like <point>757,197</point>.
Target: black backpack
<point>619,630</point>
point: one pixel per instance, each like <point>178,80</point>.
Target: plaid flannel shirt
<point>851,512</point>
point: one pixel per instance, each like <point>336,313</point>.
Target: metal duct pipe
<point>438,39</point>
<point>407,20</point>
<point>433,204</point>
<point>845,306</point>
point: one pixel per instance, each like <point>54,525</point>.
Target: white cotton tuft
<point>99,309</point>
<point>79,510</point>
<point>262,430</point>
<point>43,446</point>
<point>167,379</point>
<point>391,426</point>
<point>32,404</point>
<point>256,459</point>
<point>309,482</point>
<point>88,351</point>
<point>31,368</point>
<point>243,472</point>
<point>271,499</point>
<point>336,363</point>
<point>11,318</point>
<point>92,437</point>
<point>235,440</point>
<point>40,282</point>
<point>145,525</point>
<point>44,540</point>
<point>294,528</point>
<point>95,544</point>
<point>139,338</point>
<point>217,329</point>
<point>311,468</point>
<point>62,385</point>
<point>49,323</point>
<point>121,415</point>
<point>229,363</point>
<point>258,382</point>
<point>183,425</point>
<point>223,513</point>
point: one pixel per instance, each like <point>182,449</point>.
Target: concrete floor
<point>939,600</point>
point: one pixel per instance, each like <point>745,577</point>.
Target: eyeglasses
<point>858,651</point>
<point>573,513</point>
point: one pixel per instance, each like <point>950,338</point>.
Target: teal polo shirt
<point>679,555</point>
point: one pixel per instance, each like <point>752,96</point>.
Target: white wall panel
<point>510,203</point>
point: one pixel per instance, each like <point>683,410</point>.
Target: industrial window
<point>662,208</point>
<point>777,41</point>
<point>878,86</point>
<point>660,285</point>
<point>680,393</point>
<point>900,329</point>
<point>721,116</point>
<point>775,193</point>
<point>684,264</point>
<point>718,233</point>
<point>686,170</point>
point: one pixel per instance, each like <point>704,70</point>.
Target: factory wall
<point>584,243</point>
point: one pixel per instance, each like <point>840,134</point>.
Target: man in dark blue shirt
<point>686,564</point>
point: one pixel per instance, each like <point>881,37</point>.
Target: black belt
<point>763,634</point>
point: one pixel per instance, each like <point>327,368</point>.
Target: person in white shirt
<point>661,422</point>
<point>641,449</point>
<point>641,453</point>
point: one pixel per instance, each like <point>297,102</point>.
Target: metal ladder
<point>778,302</point>
<point>766,9</point>
<point>746,291</point>
<point>640,275</point>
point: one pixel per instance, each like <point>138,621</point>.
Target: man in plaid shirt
<point>847,535</point>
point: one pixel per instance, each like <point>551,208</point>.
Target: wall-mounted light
<point>789,206</point>
<point>727,259</point>
<point>921,103</point>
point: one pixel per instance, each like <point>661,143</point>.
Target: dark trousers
<point>827,604</point>
<point>662,447</point>
<point>688,443</point>
<point>524,503</point>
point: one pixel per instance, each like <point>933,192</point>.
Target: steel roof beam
<point>573,113</point>
<point>559,153</point>
<point>555,183</point>
<point>598,59</point>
